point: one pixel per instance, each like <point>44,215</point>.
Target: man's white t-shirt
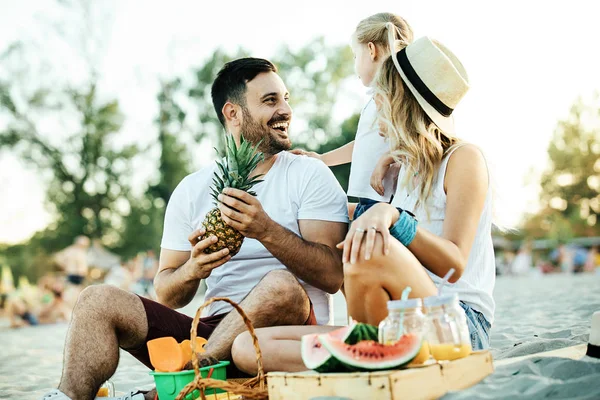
<point>369,146</point>
<point>295,188</point>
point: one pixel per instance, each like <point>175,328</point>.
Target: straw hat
<point>435,77</point>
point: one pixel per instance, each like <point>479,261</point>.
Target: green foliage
<point>89,180</point>
<point>143,225</point>
<point>88,175</point>
<point>209,126</point>
<point>235,167</point>
<point>347,134</point>
<point>570,196</point>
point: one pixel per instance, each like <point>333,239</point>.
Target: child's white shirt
<point>369,146</point>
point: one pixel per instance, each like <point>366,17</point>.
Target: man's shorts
<point>164,321</point>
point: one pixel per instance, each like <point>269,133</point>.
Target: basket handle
<point>194,334</point>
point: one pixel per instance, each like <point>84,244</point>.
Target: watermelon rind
<point>327,364</point>
<point>351,334</point>
<point>401,353</point>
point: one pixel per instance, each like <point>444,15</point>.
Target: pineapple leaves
<point>235,167</point>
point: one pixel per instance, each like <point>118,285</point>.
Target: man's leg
<point>104,319</point>
<point>278,299</point>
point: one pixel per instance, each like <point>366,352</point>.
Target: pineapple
<point>235,166</point>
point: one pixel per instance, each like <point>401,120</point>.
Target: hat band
<point>420,86</point>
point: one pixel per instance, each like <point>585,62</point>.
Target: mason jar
<point>404,316</point>
<point>446,330</point>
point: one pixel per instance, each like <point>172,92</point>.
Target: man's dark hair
<point>230,84</point>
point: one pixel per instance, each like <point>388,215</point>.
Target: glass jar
<point>446,330</point>
<point>106,390</point>
<point>404,316</point>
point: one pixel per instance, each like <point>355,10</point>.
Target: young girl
<point>370,47</point>
<point>440,217</point>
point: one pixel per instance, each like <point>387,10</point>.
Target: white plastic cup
<point>593,349</point>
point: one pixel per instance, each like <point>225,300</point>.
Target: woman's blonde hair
<point>374,29</point>
<point>416,143</point>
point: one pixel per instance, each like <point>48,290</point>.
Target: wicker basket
<point>251,389</point>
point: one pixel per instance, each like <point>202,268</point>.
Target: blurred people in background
<point>563,258</point>
<point>580,256</point>
<point>74,262</point>
<point>46,306</point>
<point>523,262</point>
<point>146,280</point>
<point>121,275</point>
<point>592,261</point>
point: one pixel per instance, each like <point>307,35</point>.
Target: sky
<point>528,62</point>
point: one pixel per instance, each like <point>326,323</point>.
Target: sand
<point>533,314</point>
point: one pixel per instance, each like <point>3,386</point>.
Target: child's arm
<point>351,209</point>
<point>382,167</point>
<point>341,155</point>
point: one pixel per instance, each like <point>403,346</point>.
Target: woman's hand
<point>376,219</point>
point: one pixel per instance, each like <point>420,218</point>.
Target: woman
<point>440,217</point>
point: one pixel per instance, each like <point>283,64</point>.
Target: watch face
<point>409,213</point>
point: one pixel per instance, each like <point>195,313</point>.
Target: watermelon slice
<point>318,358</point>
<point>369,355</point>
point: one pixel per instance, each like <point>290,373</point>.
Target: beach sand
<point>533,314</point>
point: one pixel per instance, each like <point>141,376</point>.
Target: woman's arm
<point>466,186</point>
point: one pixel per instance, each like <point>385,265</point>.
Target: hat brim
<point>446,124</point>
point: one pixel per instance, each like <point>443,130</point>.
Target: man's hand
<point>243,212</point>
<point>201,263</point>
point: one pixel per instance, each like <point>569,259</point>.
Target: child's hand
<point>381,169</point>
<point>301,152</point>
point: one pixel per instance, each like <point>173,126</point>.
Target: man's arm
<point>312,257</point>
<point>179,272</point>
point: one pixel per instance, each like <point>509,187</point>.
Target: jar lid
<point>436,301</point>
<point>401,304</point>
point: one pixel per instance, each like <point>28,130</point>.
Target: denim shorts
<point>362,206</point>
<point>479,328</point>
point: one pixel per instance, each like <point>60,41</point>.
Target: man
<point>284,274</point>
<point>73,260</point>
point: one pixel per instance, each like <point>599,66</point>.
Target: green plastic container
<point>169,384</point>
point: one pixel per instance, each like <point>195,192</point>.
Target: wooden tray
<point>425,382</point>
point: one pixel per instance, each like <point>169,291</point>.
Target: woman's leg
<point>369,284</point>
<point>280,347</point>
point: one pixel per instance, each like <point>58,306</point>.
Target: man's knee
<point>99,297</point>
<point>285,295</point>
<point>284,287</point>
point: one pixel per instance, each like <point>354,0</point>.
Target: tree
<point>570,196</point>
<point>347,134</point>
<point>209,127</point>
<point>87,177</point>
<point>314,76</point>
<point>143,225</point>
<point>66,129</point>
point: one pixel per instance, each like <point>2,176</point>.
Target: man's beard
<point>254,132</point>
